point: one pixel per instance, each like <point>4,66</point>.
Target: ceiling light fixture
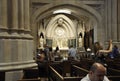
<point>62,11</point>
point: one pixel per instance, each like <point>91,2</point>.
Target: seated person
<point>41,63</point>
<point>107,50</point>
<point>114,53</point>
<point>97,73</point>
<point>72,52</point>
<point>102,53</point>
<point>40,56</point>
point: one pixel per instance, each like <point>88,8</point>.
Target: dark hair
<point>115,46</point>
<point>71,46</point>
<point>97,47</point>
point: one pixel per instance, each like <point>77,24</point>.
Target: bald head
<point>97,72</point>
<point>97,66</point>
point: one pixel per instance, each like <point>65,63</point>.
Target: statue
<point>60,21</point>
<point>41,42</point>
<point>80,41</point>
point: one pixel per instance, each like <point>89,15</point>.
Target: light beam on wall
<point>62,11</point>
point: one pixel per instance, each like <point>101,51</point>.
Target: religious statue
<point>80,41</point>
<point>60,21</point>
<point>41,42</point>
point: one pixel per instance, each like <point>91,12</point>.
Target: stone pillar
<point>0,12</point>
<point>21,14</point>
<point>3,18</point>
<point>118,20</point>
<point>114,20</point>
<point>27,15</point>
<point>3,14</point>
<point>106,21</point>
<point>14,14</point>
<point>109,19</point>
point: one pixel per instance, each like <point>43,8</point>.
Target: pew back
<point>78,71</point>
<point>114,78</point>
<point>72,78</point>
<point>29,79</point>
<point>113,72</point>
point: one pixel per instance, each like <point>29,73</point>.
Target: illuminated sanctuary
<point>26,26</point>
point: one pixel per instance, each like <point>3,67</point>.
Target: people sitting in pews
<point>97,73</point>
<point>42,59</point>
<point>40,56</point>
<point>72,52</point>
<point>107,50</point>
<point>46,52</point>
<point>101,53</point>
<point>97,47</point>
<point>114,53</point>
<point>56,50</point>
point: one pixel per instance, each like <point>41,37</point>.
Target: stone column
<point>27,15</point>
<point>15,14</point>
<point>21,14</point>
<point>109,19</point>
<point>118,20</point>
<point>3,18</point>
<point>106,21</point>
<point>3,14</point>
<point>0,11</point>
<point>114,21</point>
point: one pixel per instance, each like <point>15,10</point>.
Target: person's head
<point>45,46</point>
<point>97,44</point>
<point>97,72</point>
<point>71,46</point>
<point>115,46</point>
<point>97,47</point>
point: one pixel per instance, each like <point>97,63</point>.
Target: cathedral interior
<point>28,25</point>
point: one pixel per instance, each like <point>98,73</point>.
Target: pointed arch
<point>67,26</point>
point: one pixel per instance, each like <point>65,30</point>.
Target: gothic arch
<point>67,26</point>
<point>38,14</point>
<point>47,11</point>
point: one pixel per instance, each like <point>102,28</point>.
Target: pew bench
<point>113,72</point>
<point>114,78</point>
<point>30,73</point>
<point>72,78</point>
<point>78,71</point>
<point>35,79</point>
<point>55,76</point>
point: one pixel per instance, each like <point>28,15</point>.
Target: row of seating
<point>32,79</point>
<point>66,71</point>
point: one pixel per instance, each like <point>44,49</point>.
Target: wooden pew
<point>66,68</point>
<point>55,76</point>
<point>113,63</point>
<point>86,63</point>
<point>30,73</point>
<point>57,66</point>
<point>117,66</point>
<point>72,78</point>
<point>30,79</point>
<point>63,68</point>
<point>114,78</point>
<point>43,69</point>
<point>113,72</point>
<point>78,71</point>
